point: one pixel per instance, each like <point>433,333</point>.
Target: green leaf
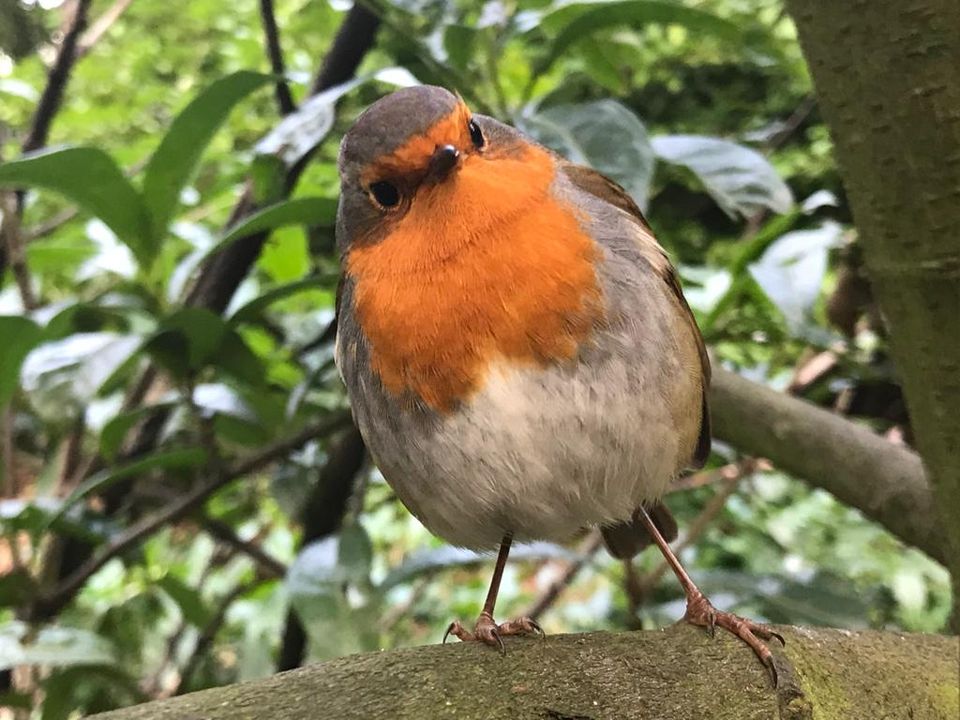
<point>188,599</point>
<point>178,458</point>
<point>68,690</point>
<point>317,584</point>
<point>90,178</point>
<point>187,340</point>
<point>575,21</point>
<point>459,42</point>
<point>792,270</point>
<point>238,361</point>
<point>447,557</point>
<point>20,336</point>
<point>254,309</point>
<point>311,212</point>
<point>63,376</point>
<point>604,135</point>
<point>52,646</point>
<point>300,132</point>
<point>325,566</point>
<point>740,180</point>
<point>174,161</point>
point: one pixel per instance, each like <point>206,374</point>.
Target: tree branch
<point>588,548</point>
<point>275,55</point>
<point>57,79</point>
<point>100,27</point>
<point>267,565</point>
<point>133,535</point>
<point>897,137</point>
<point>884,481</point>
<point>670,674</point>
<point>350,46</point>
<point>322,515</point>
<point>11,248</point>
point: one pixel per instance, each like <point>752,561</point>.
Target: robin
<point>516,347</point>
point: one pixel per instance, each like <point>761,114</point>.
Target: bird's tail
<point>626,539</point>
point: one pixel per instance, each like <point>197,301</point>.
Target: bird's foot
<point>490,633</point>
<point>701,612</point>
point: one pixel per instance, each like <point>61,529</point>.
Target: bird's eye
<point>476,135</point>
<point>385,194</point>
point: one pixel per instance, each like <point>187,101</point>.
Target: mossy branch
<point>676,673</point>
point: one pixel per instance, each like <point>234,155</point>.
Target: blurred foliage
<point>702,110</point>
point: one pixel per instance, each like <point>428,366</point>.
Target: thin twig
<point>52,225</point>
<point>57,79</point>
<point>134,534</point>
<point>588,549</point>
<point>10,488</point>
<point>396,613</point>
<point>100,27</point>
<point>275,55</point>
<point>267,565</point>
<point>11,242</point>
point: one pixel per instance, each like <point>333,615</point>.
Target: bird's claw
<point>490,633</point>
<point>701,612</point>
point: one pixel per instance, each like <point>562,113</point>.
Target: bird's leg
<point>701,612</point>
<point>486,629</point>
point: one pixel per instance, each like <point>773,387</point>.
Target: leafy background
<point>280,544</point>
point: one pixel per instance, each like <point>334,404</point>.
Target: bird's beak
<point>444,159</point>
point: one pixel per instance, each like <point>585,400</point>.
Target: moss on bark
<point>671,674</point>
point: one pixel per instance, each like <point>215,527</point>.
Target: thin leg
<point>486,629</point>
<point>701,612</point>
<point>491,601</point>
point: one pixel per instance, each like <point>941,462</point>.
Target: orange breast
<point>485,267</point>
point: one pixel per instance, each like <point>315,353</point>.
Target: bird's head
<point>419,149</point>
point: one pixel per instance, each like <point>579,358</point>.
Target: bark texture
<point>888,79</point>
<point>882,480</point>
<point>668,675</point>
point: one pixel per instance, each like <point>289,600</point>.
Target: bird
<point>515,344</point>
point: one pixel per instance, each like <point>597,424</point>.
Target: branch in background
<point>226,270</point>
<point>51,603</point>
<point>886,482</point>
<point>351,44</point>
<point>267,565</point>
<point>275,54</point>
<point>10,485</point>
<point>11,248</point>
<point>100,27</point>
<point>594,541</point>
<point>52,96</point>
<point>588,548</point>
<point>323,514</point>
<point>731,479</point>
<point>215,287</point>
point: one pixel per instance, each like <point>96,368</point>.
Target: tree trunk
<point>674,674</point>
<point>888,79</point>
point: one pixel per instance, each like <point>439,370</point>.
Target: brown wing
<point>605,189</point>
